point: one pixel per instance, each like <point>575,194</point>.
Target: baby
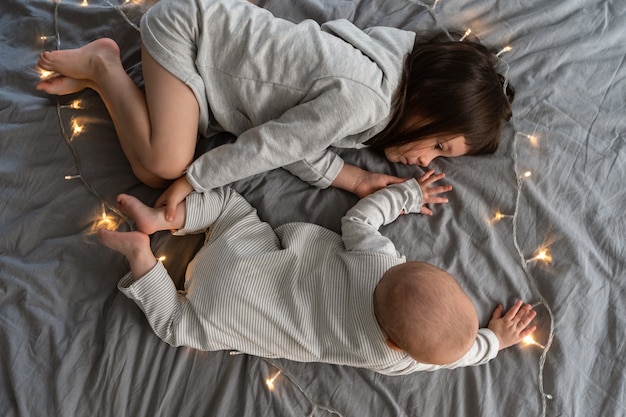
<point>305,293</point>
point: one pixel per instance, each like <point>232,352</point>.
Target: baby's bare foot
<point>147,219</point>
<point>129,244</point>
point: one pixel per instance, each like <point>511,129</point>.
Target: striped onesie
<point>300,292</point>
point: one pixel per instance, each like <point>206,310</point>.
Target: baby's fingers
<point>497,312</point>
<point>438,190</point>
<point>430,177</point>
<point>527,332</point>
<point>510,315</point>
<point>527,316</point>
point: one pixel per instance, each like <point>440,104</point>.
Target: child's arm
<point>361,182</point>
<point>360,225</point>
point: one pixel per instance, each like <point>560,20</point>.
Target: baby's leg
<point>150,220</point>
<point>157,130</point>
<point>135,246</point>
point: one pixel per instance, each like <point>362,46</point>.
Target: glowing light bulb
<point>465,35</point>
<point>504,50</point>
<point>499,216</point>
<point>528,340</point>
<point>45,74</point>
<point>76,104</point>
<point>72,177</point>
<point>270,381</point>
<point>77,128</point>
<point>543,255</point>
<point>161,258</point>
<point>105,222</point>
<point>527,174</point>
<point>84,3</point>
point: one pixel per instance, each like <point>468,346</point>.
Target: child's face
<point>424,151</point>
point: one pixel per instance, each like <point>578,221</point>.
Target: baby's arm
<point>513,326</point>
<point>360,225</point>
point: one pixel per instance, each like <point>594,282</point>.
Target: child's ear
<point>392,345</point>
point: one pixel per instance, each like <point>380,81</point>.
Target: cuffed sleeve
<point>157,296</point>
<point>319,170</point>
<point>359,227</point>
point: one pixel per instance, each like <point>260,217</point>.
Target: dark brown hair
<point>449,88</point>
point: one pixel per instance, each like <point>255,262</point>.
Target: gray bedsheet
<point>72,345</point>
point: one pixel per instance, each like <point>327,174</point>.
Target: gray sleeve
<point>319,170</point>
<point>339,108</point>
<point>359,227</point>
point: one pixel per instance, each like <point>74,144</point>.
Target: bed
<point>542,219</point>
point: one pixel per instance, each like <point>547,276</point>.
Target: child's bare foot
<point>147,219</point>
<point>79,68</point>
<point>61,85</point>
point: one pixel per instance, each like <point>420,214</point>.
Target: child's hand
<point>362,182</point>
<point>174,195</point>
<point>513,326</point>
<point>374,181</point>
<point>431,194</point>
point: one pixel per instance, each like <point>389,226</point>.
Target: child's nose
<point>425,160</point>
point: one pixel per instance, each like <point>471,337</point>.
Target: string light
<point>499,216</point>
<point>77,129</point>
<point>532,138</point>
<point>105,221</point>
<point>45,74</point>
<point>270,381</point>
<point>528,340</point>
<point>161,258</point>
<point>543,255</point>
<point>75,105</point>
<point>84,3</point>
<point>72,177</point>
<point>504,50</point>
<point>465,35</point>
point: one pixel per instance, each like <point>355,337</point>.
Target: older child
<point>304,293</point>
<point>288,92</point>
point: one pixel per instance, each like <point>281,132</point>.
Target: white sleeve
<point>359,227</point>
<point>484,349</point>
<point>158,298</point>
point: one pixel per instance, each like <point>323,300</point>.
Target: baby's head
<point>424,312</point>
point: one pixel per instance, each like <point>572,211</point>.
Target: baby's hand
<point>431,194</point>
<point>513,326</point>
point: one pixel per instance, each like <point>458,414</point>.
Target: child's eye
<point>439,146</point>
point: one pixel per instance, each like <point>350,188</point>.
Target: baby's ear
<point>392,345</point>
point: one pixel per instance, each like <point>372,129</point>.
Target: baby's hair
<point>424,311</point>
<point>450,88</point>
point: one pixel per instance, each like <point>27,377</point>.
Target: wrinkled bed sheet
<point>72,345</point>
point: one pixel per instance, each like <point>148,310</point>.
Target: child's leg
<point>135,246</point>
<point>157,130</point>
